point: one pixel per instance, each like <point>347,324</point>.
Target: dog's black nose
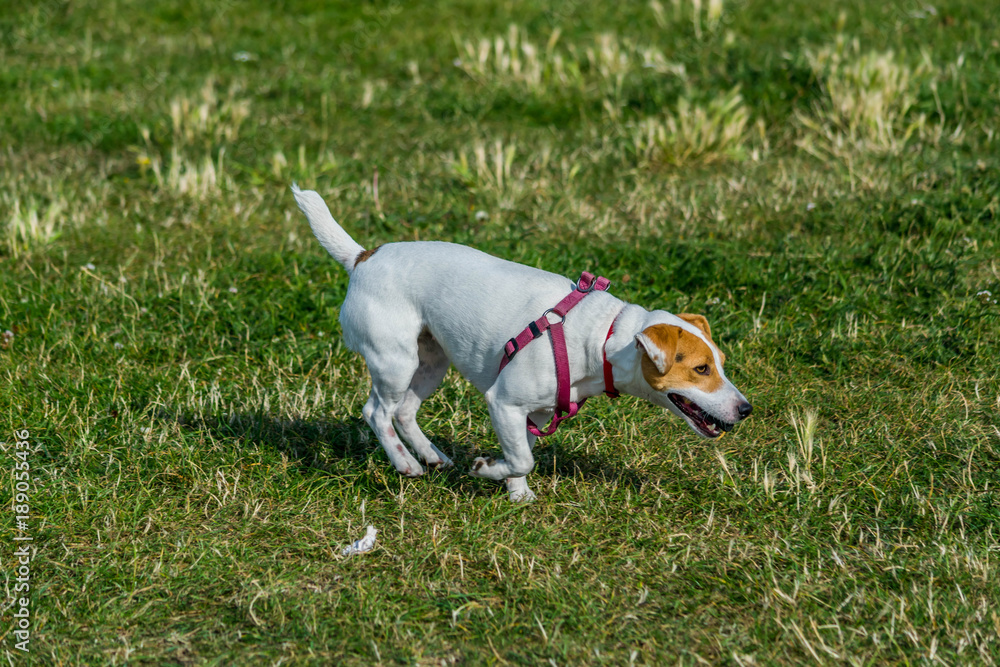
<point>744,409</point>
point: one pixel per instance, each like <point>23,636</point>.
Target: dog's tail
<point>331,236</point>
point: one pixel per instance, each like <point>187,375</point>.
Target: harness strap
<point>564,408</point>
<point>584,286</point>
<point>609,375</point>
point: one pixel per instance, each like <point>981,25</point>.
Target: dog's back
<point>451,291</point>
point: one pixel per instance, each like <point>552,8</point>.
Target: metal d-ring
<point>562,318</point>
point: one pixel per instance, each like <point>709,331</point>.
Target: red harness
<point>564,408</point>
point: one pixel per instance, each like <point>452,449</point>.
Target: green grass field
<point>821,180</point>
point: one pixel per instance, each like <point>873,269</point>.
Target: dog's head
<point>682,367</point>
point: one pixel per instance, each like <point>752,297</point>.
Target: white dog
<point>412,309</point>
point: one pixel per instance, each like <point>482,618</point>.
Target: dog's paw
<point>478,464</point>
<point>519,492</point>
<point>441,464</point>
<point>413,470</point>
<point>523,496</point>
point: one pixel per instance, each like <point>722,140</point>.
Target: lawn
<point>821,180</point>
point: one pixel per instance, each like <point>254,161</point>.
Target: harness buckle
<point>510,349</point>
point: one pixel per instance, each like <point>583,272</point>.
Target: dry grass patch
<point>498,174</point>
<point>704,15</point>
<point>868,105</point>
<point>694,133</point>
<point>513,60</point>
<point>42,196</point>
<point>200,125</point>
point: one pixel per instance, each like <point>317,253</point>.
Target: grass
<point>820,181</point>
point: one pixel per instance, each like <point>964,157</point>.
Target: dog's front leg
<point>516,441</point>
<point>517,487</point>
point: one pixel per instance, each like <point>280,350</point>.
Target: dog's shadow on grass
<point>331,446</point>
<point>310,443</point>
<point>557,458</point>
<point>326,444</point>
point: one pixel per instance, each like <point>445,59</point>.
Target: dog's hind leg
<point>391,374</point>
<point>433,366</point>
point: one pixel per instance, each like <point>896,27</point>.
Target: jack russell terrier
<point>414,308</point>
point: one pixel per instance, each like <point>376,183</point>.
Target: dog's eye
<point>701,370</point>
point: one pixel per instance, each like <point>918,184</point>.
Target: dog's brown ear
<point>659,342</point>
<point>698,321</point>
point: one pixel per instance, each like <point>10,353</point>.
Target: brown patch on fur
<point>365,254</point>
<point>481,461</point>
<point>689,351</point>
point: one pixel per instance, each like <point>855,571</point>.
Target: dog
<point>415,308</point>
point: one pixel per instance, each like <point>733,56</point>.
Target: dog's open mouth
<point>704,423</point>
